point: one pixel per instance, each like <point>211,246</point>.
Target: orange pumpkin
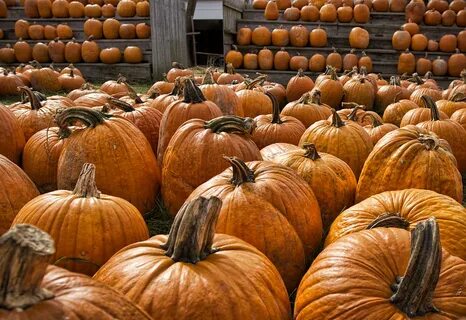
<point>224,97</point>
<point>308,109</point>
<point>254,101</point>
<point>12,145</point>
<point>298,85</point>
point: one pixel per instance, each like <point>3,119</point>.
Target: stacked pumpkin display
<point>273,188</point>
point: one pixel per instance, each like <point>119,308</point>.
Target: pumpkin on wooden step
<point>407,152</point>
<point>254,191</point>
<point>226,135</point>
<point>126,8</point>
<point>192,248</point>
<point>138,177</point>
<point>45,291</point>
<point>408,276</point>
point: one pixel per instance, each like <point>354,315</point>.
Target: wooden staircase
<point>141,72</point>
<point>381,27</point>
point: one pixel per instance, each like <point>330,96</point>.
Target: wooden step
<point>144,44</point>
<point>74,23</point>
<point>98,72</point>
<point>284,76</point>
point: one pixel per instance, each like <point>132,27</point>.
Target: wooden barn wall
<point>168,24</point>
<point>232,11</point>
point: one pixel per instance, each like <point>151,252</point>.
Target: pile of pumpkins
<point>265,59</point>
<point>83,8</point>
<point>271,189</point>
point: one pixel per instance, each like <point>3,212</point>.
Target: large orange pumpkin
<point>193,106</point>
<point>133,173</point>
<point>446,129</point>
<point>308,109</point>
<point>404,154</point>
<point>408,276</point>
<point>271,207</point>
<point>17,190</point>
<point>43,291</point>
<point>331,179</point>
<point>226,135</point>
<point>167,274</point>
<point>272,128</point>
<point>12,142</point>
<point>405,208</point>
<point>88,227</point>
<point>346,140</point>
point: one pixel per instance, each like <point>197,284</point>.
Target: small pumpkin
<point>359,38</point>
<point>377,129</point>
<point>110,55</point>
<point>93,27</point>
<point>308,109</point>
<point>271,10</point>
<point>298,85</point>
<point>60,9</point>
<point>254,102</point>
<point>126,8</point>
<point>224,97</point>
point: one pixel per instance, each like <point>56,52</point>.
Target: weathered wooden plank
<point>168,23</point>
<point>232,12</point>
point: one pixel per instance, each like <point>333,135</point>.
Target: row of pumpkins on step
<point>212,177</point>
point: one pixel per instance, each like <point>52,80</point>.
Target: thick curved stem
<point>89,117</point>
<point>353,116</point>
<point>315,98</point>
<point>120,104</point>
<point>336,120</point>
<point>430,103</point>
<point>24,250</point>
<point>458,97</point>
<point>241,172</point>
<point>192,93</point>
<point>177,65</point>
<point>311,151</point>
<point>231,124</point>
<point>86,187</point>
<point>132,93</point>
<point>121,79</point>
<point>375,122</point>
<point>258,81</point>
<point>191,235</point>
<point>32,98</point>
<point>413,292</point>
<point>389,220</point>
<point>275,108</point>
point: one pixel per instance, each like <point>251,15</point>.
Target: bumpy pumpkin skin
<point>401,161</point>
<point>273,150</point>
<point>349,142</point>
<point>351,280</point>
<point>16,189</point>
<point>177,290</point>
<point>126,165</point>
<point>12,142</point>
<point>77,296</point>
<point>84,223</point>
<point>200,150</point>
<point>337,193</point>
<point>292,230</point>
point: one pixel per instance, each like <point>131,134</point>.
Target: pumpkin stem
<point>121,79</point>
<point>463,75</point>
<point>311,151</point>
<point>90,117</point>
<point>252,84</point>
<point>192,93</point>
<point>428,74</point>
<point>25,250</point>
<point>336,120</point>
<point>353,116</point>
<point>132,93</point>
<point>85,186</point>
<point>120,104</point>
<point>430,142</point>
<point>241,172</point>
<point>177,65</point>
<point>389,220</point>
<point>231,124</point>
<point>300,73</point>
<point>430,103</point>
<point>375,122</point>
<point>458,97</point>
<point>32,98</point>
<point>192,233</point>
<point>230,69</point>
<point>316,96</point>
<point>416,79</point>
<point>413,292</point>
<point>275,108</point>
<point>363,71</point>
<point>209,77</point>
